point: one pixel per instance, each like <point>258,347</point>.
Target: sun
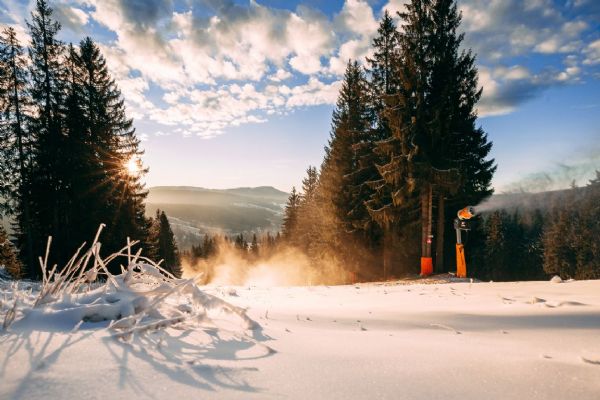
<point>133,166</point>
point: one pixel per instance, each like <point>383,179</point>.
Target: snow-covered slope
<point>534,340</point>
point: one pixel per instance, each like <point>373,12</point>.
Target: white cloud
<point>592,53</point>
<point>71,17</point>
<point>280,75</point>
<point>357,17</point>
<point>505,88</point>
<point>313,93</point>
<point>227,65</point>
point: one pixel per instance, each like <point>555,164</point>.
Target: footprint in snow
<point>564,303</point>
<point>590,361</point>
<point>446,327</point>
<point>536,300</point>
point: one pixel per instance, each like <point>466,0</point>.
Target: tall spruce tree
<point>381,69</point>
<point>46,186</point>
<point>453,141</point>
<point>166,245</point>
<point>394,202</point>
<point>347,166</point>
<point>114,153</point>
<point>15,141</point>
<point>308,227</point>
<point>340,194</point>
<point>84,164</point>
<point>290,217</point>
<point>444,153</point>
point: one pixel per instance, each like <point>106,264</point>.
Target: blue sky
<point>240,93</point>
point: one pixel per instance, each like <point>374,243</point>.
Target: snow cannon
<point>466,213</point>
<point>461,223</point>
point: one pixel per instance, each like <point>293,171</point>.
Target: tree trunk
<point>388,248</point>
<point>439,241</point>
<point>424,215</point>
<point>426,221</point>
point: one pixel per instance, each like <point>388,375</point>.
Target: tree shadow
<point>196,355</point>
<point>41,349</point>
<point>192,357</point>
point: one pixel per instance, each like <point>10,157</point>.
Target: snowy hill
<point>453,340</point>
<point>195,211</point>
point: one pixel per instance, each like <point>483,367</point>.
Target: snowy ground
<point>534,340</point>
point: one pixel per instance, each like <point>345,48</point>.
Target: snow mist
<point>284,267</point>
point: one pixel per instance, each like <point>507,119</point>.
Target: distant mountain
<point>195,211</point>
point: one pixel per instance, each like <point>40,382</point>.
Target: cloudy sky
<point>240,93</point>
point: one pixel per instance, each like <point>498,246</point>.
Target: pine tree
<point>83,148</point>
<point>8,256</point>
<point>452,141</point>
<point>116,187</point>
<point>340,187</point>
<point>571,248</point>
<point>497,250</point>
<point>254,247</point>
<point>438,151</point>
<point>383,79</point>
<point>290,217</point>
<point>15,142</point>
<point>166,246</point>
<point>394,202</point>
<point>208,246</point>
<point>79,180</point>
<point>308,223</point>
<point>48,193</point>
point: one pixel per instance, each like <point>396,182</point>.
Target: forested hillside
<point>195,212</point>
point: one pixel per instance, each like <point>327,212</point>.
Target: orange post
<point>426,266</point>
<point>461,264</point>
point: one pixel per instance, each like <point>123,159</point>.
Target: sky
<point>240,93</point>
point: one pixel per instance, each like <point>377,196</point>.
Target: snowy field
<point>451,340</point>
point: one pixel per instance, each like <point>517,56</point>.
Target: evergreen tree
<point>308,224</point>
<point>117,185</point>
<point>340,194</point>
<point>452,141</point>
<point>254,248</point>
<point>83,147</point>
<point>8,256</point>
<point>383,79</point>
<point>497,249</point>
<point>290,217</point>
<point>571,248</point>
<point>434,150</point>
<point>80,215</point>
<point>15,142</point>
<point>48,192</point>
<point>208,246</point>
<point>166,246</point>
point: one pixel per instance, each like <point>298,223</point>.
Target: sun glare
<point>133,166</point>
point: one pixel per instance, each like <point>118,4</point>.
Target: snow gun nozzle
<point>466,213</point>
